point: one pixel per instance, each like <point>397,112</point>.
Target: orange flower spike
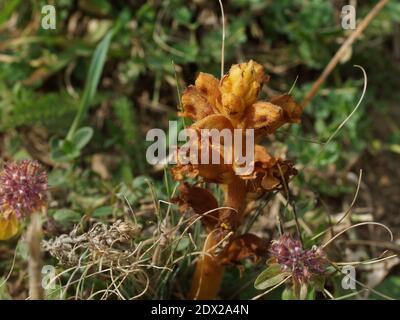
<point>263,115</point>
<point>195,104</point>
<point>201,100</point>
<point>182,171</point>
<point>214,121</point>
<point>209,86</point>
<point>229,104</point>
<point>219,172</point>
<point>269,182</point>
<point>262,157</point>
<point>262,161</point>
<point>202,201</point>
<point>278,175</point>
<point>240,88</point>
<point>244,246</point>
<point>291,109</point>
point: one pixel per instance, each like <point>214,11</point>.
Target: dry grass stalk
<point>342,51</point>
<point>35,263</point>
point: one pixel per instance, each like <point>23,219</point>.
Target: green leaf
<point>65,150</point>
<point>97,7</point>
<point>89,201</point>
<point>92,81</point>
<point>390,287</point>
<point>183,15</point>
<point>102,212</point>
<point>311,294</point>
<point>8,9</point>
<point>183,244</point>
<point>4,294</point>
<point>319,283</point>
<point>395,148</point>
<point>302,291</point>
<point>57,178</point>
<point>288,294</point>
<point>82,137</point>
<point>67,216</point>
<point>62,150</point>
<point>54,293</point>
<point>270,277</point>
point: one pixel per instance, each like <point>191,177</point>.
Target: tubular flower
<point>23,187</point>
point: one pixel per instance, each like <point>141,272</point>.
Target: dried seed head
<point>23,187</point>
<point>302,263</point>
<point>110,243</point>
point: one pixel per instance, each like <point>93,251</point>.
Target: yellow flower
<point>23,187</point>
<point>240,88</point>
<point>9,226</point>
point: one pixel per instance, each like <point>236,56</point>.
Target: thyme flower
<point>303,264</point>
<point>23,187</point>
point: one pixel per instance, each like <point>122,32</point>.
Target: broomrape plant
<point>231,104</point>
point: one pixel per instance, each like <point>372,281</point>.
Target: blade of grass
<point>92,81</point>
<point>8,9</point>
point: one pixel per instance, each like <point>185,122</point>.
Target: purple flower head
<point>23,187</point>
<point>301,263</point>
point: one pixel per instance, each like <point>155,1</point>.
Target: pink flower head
<point>23,187</point>
<point>301,263</point>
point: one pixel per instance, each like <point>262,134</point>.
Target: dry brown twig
<point>342,51</point>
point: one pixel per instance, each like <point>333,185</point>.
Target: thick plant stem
<point>208,274</point>
<point>209,270</point>
<point>34,238</point>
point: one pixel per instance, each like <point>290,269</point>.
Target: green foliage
<point>105,76</point>
<point>67,217</point>
<point>22,106</point>
<point>270,277</point>
<point>390,287</point>
<point>76,139</point>
<point>131,139</point>
<point>7,8</point>
<point>92,81</point>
